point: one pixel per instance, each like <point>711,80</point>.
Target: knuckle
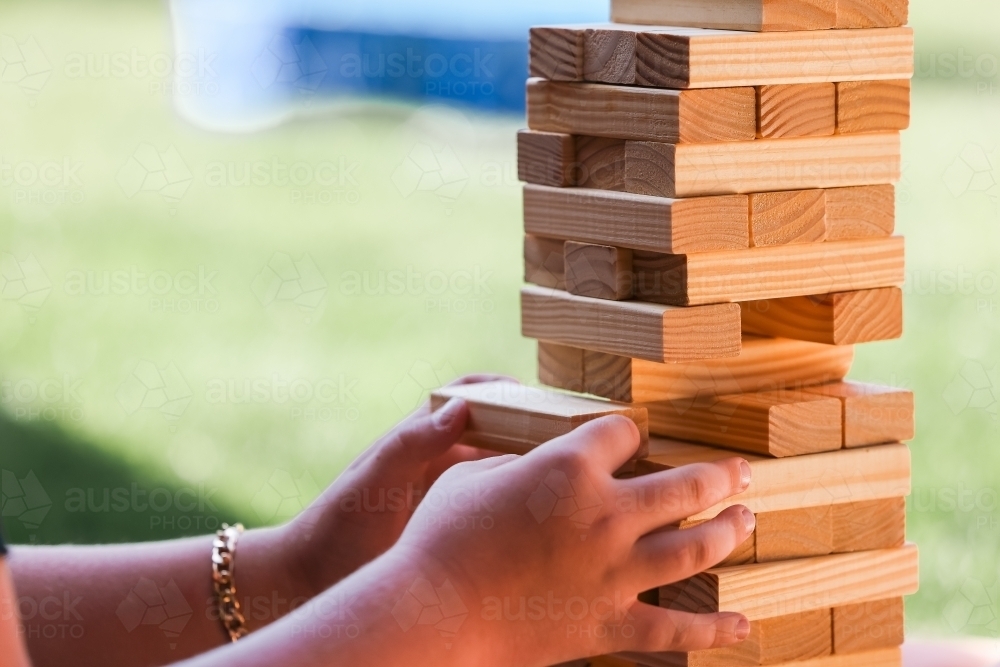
<point>695,556</point>
<point>697,487</point>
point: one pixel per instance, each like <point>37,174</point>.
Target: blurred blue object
<point>271,59</point>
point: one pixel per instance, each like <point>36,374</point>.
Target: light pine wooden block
<point>556,52</point>
<point>891,657</point>
<point>765,590</point>
<point>765,165</point>
<point>763,364</point>
<point>868,626</point>
<point>796,533</point>
<point>543,261</point>
<point>560,366</point>
<point>768,273</point>
<point>686,57</point>
<point>600,163</point>
<point>609,55</point>
<point>784,218</point>
<point>796,110</point>
<point>637,221</point>
<point>511,418</point>
<point>867,211</point>
<point>779,424</point>
<point>872,414</point>
<point>598,271</point>
<point>547,158</point>
<point>869,524</point>
<point>741,555</point>
<point>648,114</point>
<point>753,15</point>
<point>795,482</point>
<point>842,318</point>
<point>873,106</point>
<point>872,13</point>
<point>695,58</point>
<point>628,328</point>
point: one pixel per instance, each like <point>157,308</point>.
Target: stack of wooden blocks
<point>709,217</point>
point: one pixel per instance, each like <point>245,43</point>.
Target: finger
<point>659,630</point>
<point>605,443</point>
<point>421,438</point>
<point>477,378</point>
<point>665,557</point>
<point>673,495</point>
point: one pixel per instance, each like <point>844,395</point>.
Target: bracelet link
<point>224,582</point>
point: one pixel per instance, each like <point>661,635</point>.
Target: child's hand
<point>363,513</point>
<point>547,552</point>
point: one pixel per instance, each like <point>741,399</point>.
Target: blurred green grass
<point>265,400</point>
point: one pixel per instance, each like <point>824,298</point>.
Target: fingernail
<point>444,417</point>
<point>743,629</point>
<point>749,520</point>
<point>745,473</point>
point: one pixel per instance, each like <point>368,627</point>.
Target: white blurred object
<point>952,653</point>
<point>249,73</point>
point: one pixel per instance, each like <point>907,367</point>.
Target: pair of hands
<point>546,553</point>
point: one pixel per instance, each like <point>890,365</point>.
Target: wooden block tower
<point>709,216</point>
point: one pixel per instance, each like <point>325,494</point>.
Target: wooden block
<point>648,114</point>
<point>556,52</point>
<point>752,15</point>
<point>868,626</point>
<point>637,221</point>
<point>798,163</point>
<point>779,424</point>
<point>765,590</point>
<point>741,555</point>
<point>795,482</point>
<point>771,641</point>
<point>598,271</point>
<point>560,366</point>
<point>783,218</point>
<point>511,418</point>
<point>797,533</point>
<point>872,13</point>
<point>763,364</point>
<point>769,272</point>
<point>796,110</point>
<point>543,261</point>
<point>867,211</point>
<point>547,158</point>
<point>873,106</point>
<point>869,524</point>
<point>609,55</point>
<point>600,163</point>
<point>694,58</point>
<point>891,657</point>
<point>627,328</point>
<point>872,414</point>
<point>842,318</point>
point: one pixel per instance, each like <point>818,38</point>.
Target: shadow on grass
<point>59,489</point>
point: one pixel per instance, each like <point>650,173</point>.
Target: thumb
<point>420,439</point>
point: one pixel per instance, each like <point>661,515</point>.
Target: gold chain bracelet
<point>223,579</point>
